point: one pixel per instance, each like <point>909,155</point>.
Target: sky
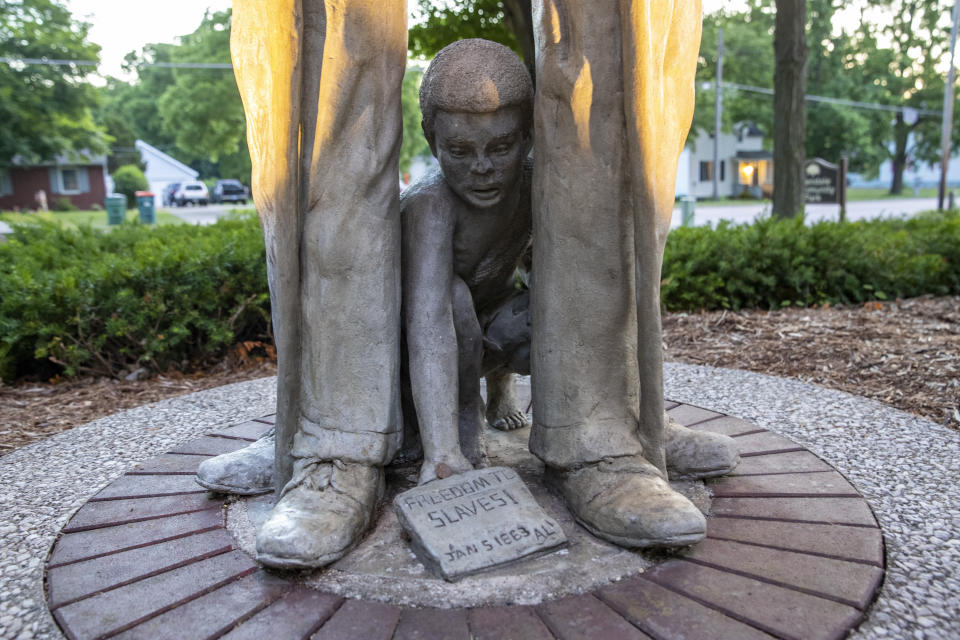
<point>125,26</point>
<point>120,27</point>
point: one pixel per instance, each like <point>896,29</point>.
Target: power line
<point>49,62</point>
<point>847,103</point>
<point>706,85</point>
<point>93,63</point>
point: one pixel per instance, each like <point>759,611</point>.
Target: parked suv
<point>194,192</point>
<point>230,191</point>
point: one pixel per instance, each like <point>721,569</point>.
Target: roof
<point>750,129</point>
<point>152,156</point>
<point>83,158</point>
<point>755,155</point>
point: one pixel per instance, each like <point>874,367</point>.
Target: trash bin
<point>145,206</point>
<point>116,206</point>
<point>687,206</point>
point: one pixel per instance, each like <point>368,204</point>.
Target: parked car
<point>194,192</point>
<point>168,191</point>
<point>230,191</point>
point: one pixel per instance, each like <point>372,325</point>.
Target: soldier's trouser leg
<point>320,80</point>
<point>602,451</point>
<point>584,360</point>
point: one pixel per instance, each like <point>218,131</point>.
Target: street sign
<point>825,182</point>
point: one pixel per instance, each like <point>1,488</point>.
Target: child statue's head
<point>477,104</point>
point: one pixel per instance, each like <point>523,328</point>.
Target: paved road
<point>206,214</point>
<point>741,212</point>
<point>859,210</point>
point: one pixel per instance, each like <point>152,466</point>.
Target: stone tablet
<point>475,521</point>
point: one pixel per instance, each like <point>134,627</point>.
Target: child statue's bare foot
<point>503,405</point>
<point>513,419</point>
<point>443,467</point>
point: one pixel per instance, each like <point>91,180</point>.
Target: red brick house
<point>81,179</point>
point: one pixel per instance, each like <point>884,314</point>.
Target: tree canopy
<point>436,25</point>
<point>906,39</point>
<point>46,109</point>
<point>890,58</point>
<point>194,114</point>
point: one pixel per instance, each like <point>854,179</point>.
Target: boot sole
<point>682,540</point>
<point>701,475</point>
<point>278,562</point>
<point>238,491</point>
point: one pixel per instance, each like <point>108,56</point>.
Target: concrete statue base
<point>383,567</point>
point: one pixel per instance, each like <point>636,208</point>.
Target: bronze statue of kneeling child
<point>466,229</point>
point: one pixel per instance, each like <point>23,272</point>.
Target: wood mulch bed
<point>904,353</point>
<point>32,411</point>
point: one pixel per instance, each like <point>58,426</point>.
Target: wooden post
<point>842,187</point>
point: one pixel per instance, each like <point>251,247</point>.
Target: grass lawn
<point>76,219</point>
<point>883,193</point>
<point>727,202</point>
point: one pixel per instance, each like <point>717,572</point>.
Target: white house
<point>162,170</point>
<point>916,175</point>
<point>744,165</point>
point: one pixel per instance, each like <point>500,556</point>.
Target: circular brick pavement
<point>792,551</point>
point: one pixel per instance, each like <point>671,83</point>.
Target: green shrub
<point>775,263</point>
<point>102,303</point>
<point>181,296</point>
<point>62,204</point>
<point>129,179</point>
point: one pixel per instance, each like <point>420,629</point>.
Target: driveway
<point>205,214</point>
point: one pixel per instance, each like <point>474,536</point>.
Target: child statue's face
<point>481,154</point>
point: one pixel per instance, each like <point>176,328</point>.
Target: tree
<point>789,105</point>
<point>129,179</point>
<point>747,36</point>
<point>414,142</point>
<point>129,111</point>
<point>915,34</point>
<point>509,22</point>
<point>835,69</point>
<point>195,115</point>
<point>45,109</point>
<point>202,109</point>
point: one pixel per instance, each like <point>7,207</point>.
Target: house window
<point>706,171</point>
<point>69,181</point>
<point>6,185</point>
<point>723,170</point>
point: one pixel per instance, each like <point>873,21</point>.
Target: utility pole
<point>947,129</point>
<point>718,114</point>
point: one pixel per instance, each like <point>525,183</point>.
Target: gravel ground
<point>904,465</point>
<point>43,484</point>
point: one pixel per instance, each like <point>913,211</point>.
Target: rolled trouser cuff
<point>572,446</point>
<point>363,447</point>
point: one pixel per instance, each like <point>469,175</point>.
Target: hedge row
<point>107,303</point>
<point>776,263</point>
<point>180,296</point>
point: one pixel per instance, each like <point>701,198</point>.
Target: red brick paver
<point>792,551</point>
